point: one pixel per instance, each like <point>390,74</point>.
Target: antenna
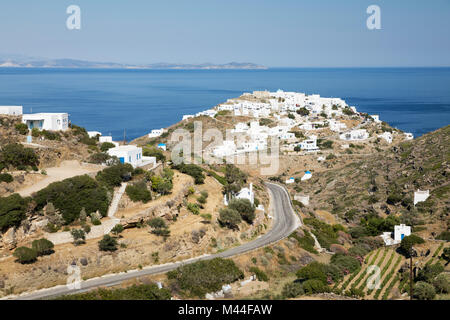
<point>124,136</point>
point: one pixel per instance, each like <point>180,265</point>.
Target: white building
<point>162,146</point>
<point>409,136</point>
<point>386,136</point>
<point>93,134</point>
<point>11,110</point>
<point>376,118</point>
<point>47,121</point>
<point>127,154</point>
<point>309,144</point>
<point>103,139</point>
<point>187,116</point>
<point>400,232</point>
<point>355,135</point>
<point>244,193</point>
<point>307,176</point>
<point>156,133</point>
<point>290,180</point>
<point>421,196</point>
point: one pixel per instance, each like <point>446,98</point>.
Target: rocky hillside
<point>384,183</point>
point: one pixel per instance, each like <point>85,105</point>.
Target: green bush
<point>71,195</point>
<point>138,192</point>
<point>441,283</point>
<point>408,242</point>
<point>17,156</point>
<point>6,177</point>
<point>99,158</point>
<point>161,185</point>
<point>25,255</point>
<point>429,272</point>
<point>153,152</point>
<point>314,286</point>
<point>344,262</point>
<point>115,175</point>
<point>201,277</point>
<point>306,242</point>
<point>314,270</point>
<point>424,291</point>
<point>108,243</point>
<point>194,208</point>
<point>105,146</point>
<point>229,217</point>
<point>22,128</point>
<point>135,292</point>
<point>159,227</point>
<point>245,209</point>
<point>260,275</point>
<point>193,170</point>
<point>12,211</point>
<point>118,229</point>
<point>292,290</point>
<point>42,247</point>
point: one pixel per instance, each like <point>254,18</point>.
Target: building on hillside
<point>386,136</point>
<point>400,232</point>
<point>156,133</point>
<point>93,134</point>
<point>11,110</point>
<point>127,154</point>
<point>421,196</point>
<point>244,193</point>
<point>307,176</point>
<point>409,136</point>
<point>103,139</point>
<point>376,118</point>
<point>310,144</point>
<point>187,116</point>
<point>355,135</point>
<point>47,121</point>
<point>290,180</point>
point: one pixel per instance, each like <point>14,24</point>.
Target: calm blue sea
<point>415,100</point>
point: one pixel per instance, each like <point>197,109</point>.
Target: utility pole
<point>124,136</point>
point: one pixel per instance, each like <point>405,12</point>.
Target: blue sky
<point>301,33</point>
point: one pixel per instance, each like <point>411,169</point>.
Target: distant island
<point>28,62</point>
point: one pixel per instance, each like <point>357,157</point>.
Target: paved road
<point>285,221</point>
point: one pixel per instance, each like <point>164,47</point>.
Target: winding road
<point>285,221</point>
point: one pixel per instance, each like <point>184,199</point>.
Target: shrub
<point>71,195</point>
<point>42,247</point>
<point>345,262</point>
<point>135,292</point>
<point>99,158</point>
<point>159,227</point>
<point>260,275</point>
<point>292,290</point>
<point>314,286</point>
<point>138,192</point>
<point>12,211</point>
<point>244,207</point>
<point>105,146</point>
<point>445,235</point>
<point>429,272</point>
<point>6,177</point>
<point>118,228</point>
<point>314,270</point>
<point>22,128</point>
<point>25,255</point>
<point>441,283</point>
<point>306,242</point>
<point>193,170</point>
<point>79,236</point>
<point>201,277</point>
<point>157,153</point>
<point>229,217</point>
<point>424,291</point>
<point>194,208</point>
<point>161,185</point>
<point>108,243</point>
<point>115,175</point>
<point>17,156</point>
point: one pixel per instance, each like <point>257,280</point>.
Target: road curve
<point>285,221</point>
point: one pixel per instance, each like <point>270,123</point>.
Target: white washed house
<point>386,136</point>
<point>400,232</point>
<point>310,144</point>
<point>109,139</point>
<point>421,196</point>
<point>11,110</point>
<point>156,133</point>
<point>93,134</point>
<point>47,121</point>
<point>355,135</point>
<point>127,154</point>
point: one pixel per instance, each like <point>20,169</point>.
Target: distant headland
<point>16,61</point>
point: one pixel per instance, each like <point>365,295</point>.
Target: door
<point>122,160</point>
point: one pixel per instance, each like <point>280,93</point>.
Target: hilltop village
<point>365,193</point>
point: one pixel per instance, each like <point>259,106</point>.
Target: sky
<point>274,33</point>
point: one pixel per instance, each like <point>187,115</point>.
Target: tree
<point>429,272</point>
<point>244,207</point>
<point>25,255</point>
<point>115,175</point>
<point>424,291</point>
<point>42,247</point>
<point>79,236</point>
<point>17,156</point>
<point>22,128</point>
<point>12,211</point>
<point>297,149</point>
<point>138,192</point>
<point>314,286</point>
<point>303,111</point>
<point>229,217</point>
<point>108,243</point>
<point>161,185</point>
<point>314,270</point>
<point>408,242</point>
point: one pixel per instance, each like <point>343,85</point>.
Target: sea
<point>132,102</point>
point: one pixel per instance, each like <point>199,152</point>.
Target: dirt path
<point>67,169</point>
